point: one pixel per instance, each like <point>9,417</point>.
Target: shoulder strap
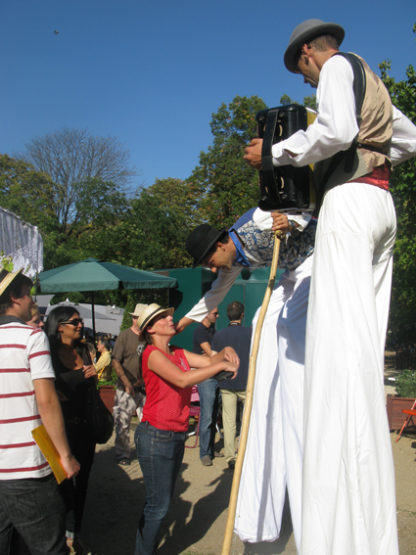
<point>347,157</point>
<point>359,84</point>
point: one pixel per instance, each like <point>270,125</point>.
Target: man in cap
<point>348,478</point>
<point>29,498</point>
<point>129,391</point>
<point>269,466</point>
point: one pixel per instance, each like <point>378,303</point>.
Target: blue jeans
<point>208,394</point>
<point>35,508</point>
<point>160,455</point>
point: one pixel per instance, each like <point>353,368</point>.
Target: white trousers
<point>273,459</point>
<point>348,476</point>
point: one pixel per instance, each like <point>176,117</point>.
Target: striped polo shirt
<point>24,357</point>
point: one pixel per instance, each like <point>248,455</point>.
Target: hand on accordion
<point>253,153</point>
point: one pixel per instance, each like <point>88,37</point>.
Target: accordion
<point>284,187</point>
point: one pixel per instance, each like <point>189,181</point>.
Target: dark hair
<point>235,310</point>
<point>104,340</point>
<point>55,317</point>
<point>15,289</point>
<point>323,42</point>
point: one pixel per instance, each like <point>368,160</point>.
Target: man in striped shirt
<point>29,499</point>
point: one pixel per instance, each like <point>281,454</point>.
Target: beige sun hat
<point>138,309</point>
<point>150,312</point>
<point>7,280</point>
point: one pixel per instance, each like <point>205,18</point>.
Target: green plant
<point>111,381</point>
<point>406,384</point>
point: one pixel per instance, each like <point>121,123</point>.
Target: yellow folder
<point>41,436</point>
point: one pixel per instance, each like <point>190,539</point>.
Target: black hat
<point>305,32</point>
<point>201,240</point>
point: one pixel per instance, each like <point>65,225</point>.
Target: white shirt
<point>25,357</point>
<point>336,126</point>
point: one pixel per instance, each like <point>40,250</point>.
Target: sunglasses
<point>74,322</point>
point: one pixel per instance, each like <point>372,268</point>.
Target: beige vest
<point>376,130</point>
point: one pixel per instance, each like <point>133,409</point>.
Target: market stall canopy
<point>93,275</point>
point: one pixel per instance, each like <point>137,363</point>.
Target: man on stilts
<point>348,494</point>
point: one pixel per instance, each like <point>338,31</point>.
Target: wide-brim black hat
<point>201,240</point>
<point>304,33</point>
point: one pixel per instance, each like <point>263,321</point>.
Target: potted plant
<point>406,395</point>
<point>107,389</point>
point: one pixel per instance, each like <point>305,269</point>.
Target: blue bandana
<point>241,257</point>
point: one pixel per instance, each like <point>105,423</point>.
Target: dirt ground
<point>196,521</point>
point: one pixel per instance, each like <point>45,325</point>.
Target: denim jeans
<point>35,508</point>
<point>160,455</point>
<point>208,398</point>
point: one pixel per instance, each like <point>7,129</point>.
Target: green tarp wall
<point>249,288</point>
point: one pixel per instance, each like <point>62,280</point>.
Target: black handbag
<point>100,421</point>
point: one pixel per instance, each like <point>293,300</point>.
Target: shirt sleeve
<point>103,361</point>
<point>403,143</point>
<point>119,348</point>
<point>335,126</point>
<point>39,356</point>
<point>215,295</point>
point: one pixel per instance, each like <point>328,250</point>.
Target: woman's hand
<point>231,367</point>
<point>230,355</point>
<point>89,371</point>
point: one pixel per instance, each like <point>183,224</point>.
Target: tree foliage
<point>403,188</point>
<point>224,183</point>
<point>71,157</point>
<point>157,225</point>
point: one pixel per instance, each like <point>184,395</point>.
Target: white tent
<point>21,242</point>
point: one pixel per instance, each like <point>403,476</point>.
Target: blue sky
<point>152,72</point>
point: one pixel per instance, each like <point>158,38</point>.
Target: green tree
<point>153,234</point>
<point>26,192</point>
<point>403,188</point>
<point>224,183</point>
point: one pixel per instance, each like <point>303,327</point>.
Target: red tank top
<point>166,406</point>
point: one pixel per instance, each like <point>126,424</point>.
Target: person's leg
<point>139,399</point>
<point>291,327</point>
<point>124,407</point>
<point>35,509</point>
<point>262,489</point>
<point>85,457</point>
<point>348,490</point>
<point>229,415</point>
<point>207,396</point>
<point>6,527</point>
<point>160,455</point>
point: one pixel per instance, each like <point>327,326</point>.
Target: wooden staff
<point>249,399</point>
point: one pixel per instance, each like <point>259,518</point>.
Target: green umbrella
<point>93,275</point>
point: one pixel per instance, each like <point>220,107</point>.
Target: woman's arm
<point>167,370</point>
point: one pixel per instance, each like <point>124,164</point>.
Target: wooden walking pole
<point>249,399</point>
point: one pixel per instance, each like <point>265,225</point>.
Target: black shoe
<point>231,464</point>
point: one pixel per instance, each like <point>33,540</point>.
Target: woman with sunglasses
<point>75,373</point>
<point>160,436</point>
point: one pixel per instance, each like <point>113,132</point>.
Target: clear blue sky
<point>151,72</point>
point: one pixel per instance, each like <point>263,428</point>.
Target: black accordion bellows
<point>283,187</point>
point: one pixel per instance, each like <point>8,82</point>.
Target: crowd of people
<point>318,427</point>
<point>66,362</point>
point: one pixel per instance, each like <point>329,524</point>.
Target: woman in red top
<point>160,436</point>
